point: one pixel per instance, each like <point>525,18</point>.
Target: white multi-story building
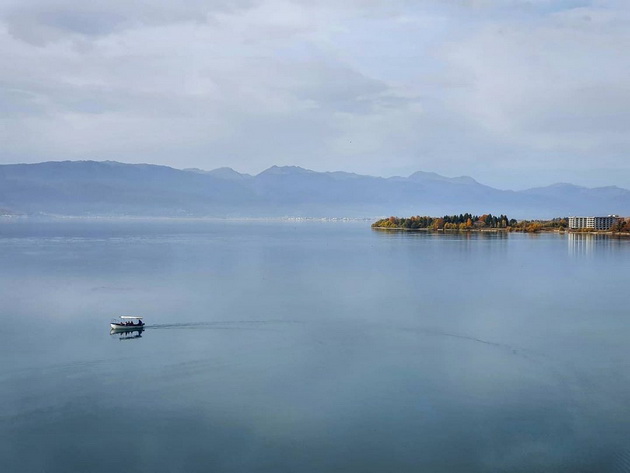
<point>597,223</point>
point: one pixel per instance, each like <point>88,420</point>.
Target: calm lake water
<point>311,347</point>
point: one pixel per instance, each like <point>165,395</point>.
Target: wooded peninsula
<point>470,222</point>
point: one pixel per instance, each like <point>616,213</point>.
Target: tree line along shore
<point>489,222</point>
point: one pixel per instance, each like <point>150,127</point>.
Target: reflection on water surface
<point>311,347</point>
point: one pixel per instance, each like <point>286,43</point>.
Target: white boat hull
<point>123,328</point>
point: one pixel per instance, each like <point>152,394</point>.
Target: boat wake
<point>226,325</point>
<point>514,350</point>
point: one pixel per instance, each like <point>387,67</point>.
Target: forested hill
<point>91,188</point>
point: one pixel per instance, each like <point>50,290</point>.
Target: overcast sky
<point>514,93</point>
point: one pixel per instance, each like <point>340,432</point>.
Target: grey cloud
<point>43,21</point>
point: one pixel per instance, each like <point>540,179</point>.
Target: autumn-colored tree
<point>438,224</point>
<point>619,225</point>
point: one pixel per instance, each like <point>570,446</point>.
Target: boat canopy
<point>130,317</point>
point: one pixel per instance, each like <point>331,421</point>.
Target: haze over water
<point>311,347</point>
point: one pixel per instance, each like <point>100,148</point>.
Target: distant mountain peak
<point>426,175</point>
<point>612,188</point>
<point>564,185</point>
<point>286,170</point>
<point>221,173</point>
<point>433,176</point>
<point>227,173</point>
<point>195,170</point>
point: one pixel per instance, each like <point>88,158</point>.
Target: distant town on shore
<point>489,222</point>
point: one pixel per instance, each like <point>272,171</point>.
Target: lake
<point>311,347</point>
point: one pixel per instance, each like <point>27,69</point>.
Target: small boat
<point>127,322</point>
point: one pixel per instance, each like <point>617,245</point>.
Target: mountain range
<point>93,188</point>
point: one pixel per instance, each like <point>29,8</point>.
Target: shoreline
<point>502,230</point>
